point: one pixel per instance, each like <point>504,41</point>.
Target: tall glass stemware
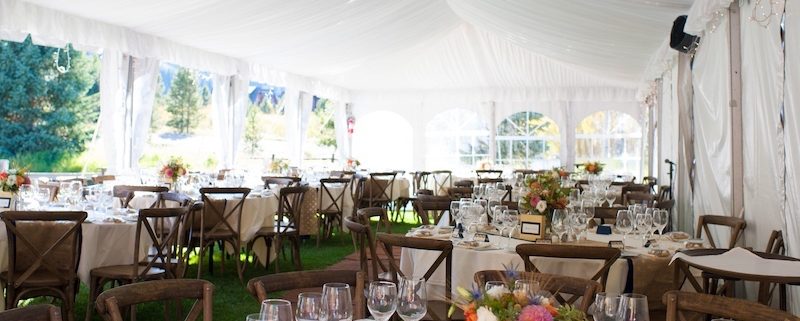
<point>276,310</point>
<point>624,223</point>
<point>605,306</point>
<point>633,307</point>
<point>412,299</point>
<point>510,221</point>
<point>660,220</point>
<point>337,305</point>
<point>382,300</point>
<point>559,223</point>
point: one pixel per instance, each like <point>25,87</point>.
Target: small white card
<point>5,202</point>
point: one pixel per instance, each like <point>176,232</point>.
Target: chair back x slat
<point>606,254</point>
<point>110,303</point>
<point>685,306</point>
<point>736,225</point>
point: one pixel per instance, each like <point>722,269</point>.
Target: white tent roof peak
<point>406,44</point>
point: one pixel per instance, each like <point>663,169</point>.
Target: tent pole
<point>737,169</point>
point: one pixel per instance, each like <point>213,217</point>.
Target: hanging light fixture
<point>57,59</point>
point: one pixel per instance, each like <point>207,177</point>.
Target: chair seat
<point>219,235</point>
<point>38,279</point>
<point>125,272</point>
<point>273,231</point>
<point>329,212</point>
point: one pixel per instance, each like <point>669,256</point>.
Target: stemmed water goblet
<point>624,223</point>
<point>43,197</point>
<point>276,310</point>
<point>660,220</point>
<point>337,304</point>
<point>633,307</point>
<point>644,223</point>
<point>382,300</point>
<point>412,301</point>
<point>605,306</point>
<point>579,223</point>
<point>510,221</point>
<point>560,223</point>
<point>610,196</point>
<point>309,306</point>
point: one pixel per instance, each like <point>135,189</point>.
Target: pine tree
<point>42,111</point>
<point>183,103</point>
<point>252,132</point>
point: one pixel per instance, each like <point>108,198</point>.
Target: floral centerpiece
<point>12,179</point>
<point>352,164</point>
<point>544,193</point>
<point>278,165</point>
<point>173,170</point>
<point>593,167</point>
<point>501,304</point>
<point>562,172</point>
<point>484,165</point>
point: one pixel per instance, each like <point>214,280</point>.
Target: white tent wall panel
<point>683,216</point>
<point>712,131</point>
<point>792,137</point>
<point>762,99</point>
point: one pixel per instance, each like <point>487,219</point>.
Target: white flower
<point>485,314</point>
<point>497,291</point>
<point>541,206</point>
<point>12,179</point>
<point>545,301</point>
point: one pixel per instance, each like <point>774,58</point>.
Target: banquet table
<point>637,271</point>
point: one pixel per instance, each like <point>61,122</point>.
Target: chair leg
<point>93,283</point>
<point>298,265</point>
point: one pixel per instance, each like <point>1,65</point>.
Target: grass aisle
<point>232,302</point>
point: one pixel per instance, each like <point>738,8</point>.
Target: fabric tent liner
<point>334,47</point>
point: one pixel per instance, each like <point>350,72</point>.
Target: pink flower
<point>168,172</point>
<point>534,201</point>
<point>535,313</point>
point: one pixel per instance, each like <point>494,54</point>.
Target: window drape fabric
<point>711,81</point>
<point>144,93</point>
<point>791,96</point>
<point>306,105</point>
<point>230,101</point>
<point>113,91</point>
<point>683,184</point>
<point>340,128</point>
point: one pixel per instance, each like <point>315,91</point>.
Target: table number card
<point>6,201</point>
<point>531,227</point>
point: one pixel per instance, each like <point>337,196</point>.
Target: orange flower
<point>20,180</point>
<point>553,311</point>
<point>469,312</point>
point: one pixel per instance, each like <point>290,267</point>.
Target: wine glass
<point>337,305</point>
<point>382,300</point>
<point>412,301</point>
<point>574,196</point>
<point>496,211</point>
<point>579,222</point>
<point>633,307</point>
<point>624,223</point>
<point>255,317</point>
<point>605,306</point>
<point>43,196</point>
<point>660,220</point>
<point>276,310</point>
<point>611,196</point>
<point>26,193</point>
<point>493,284</point>
<point>64,192</point>
<point>309,306</point>
<point>559,223</point>
<point>454,207</point>
<point>529,287</point>
<point>499,222</point>
<point>510,221</point>
<point>644,223</point>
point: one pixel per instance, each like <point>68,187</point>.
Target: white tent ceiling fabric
<point>338,46</point>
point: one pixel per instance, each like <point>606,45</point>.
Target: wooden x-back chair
<point>685,306</point>
<point>565,289</point>
<point>221,222</point>
<point>332,192</point>
<point>43,253</point>
<point>606,254</point>
<point>111,303</point>
<point>437,309</point>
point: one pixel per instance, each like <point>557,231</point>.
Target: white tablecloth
<point>468,261</point>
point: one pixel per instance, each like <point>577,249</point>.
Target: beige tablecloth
<point>652,275</point>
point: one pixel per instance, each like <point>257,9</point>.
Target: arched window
<point>528,140</point>
<point>611,137</point>
<point>456,139</point>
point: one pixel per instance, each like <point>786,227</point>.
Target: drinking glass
<point>309,306</point>
<point>454,207</point>
<point>529,287</point>
<point>644,223</point>
<point>611,196</point>
<point>276,310</point>
<point>43,196</point>
<point>660,220</point>
<point>337,304</point>
<point>412,300</point>
<point>64,192</point>
<point>633,307</point>
<point>510,221</point>
<point>26,193</point>
<point>624,223</point>
<point>255,317</point>
<point>496,211</point>
<point>579,221</point>
<point>382,300</point>
<point>498,223</point>
<point>559,223</point>
<point>574,196</point>
<point>605,306</point>
<point>493,284</point>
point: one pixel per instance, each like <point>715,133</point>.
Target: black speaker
<point>680,40</point>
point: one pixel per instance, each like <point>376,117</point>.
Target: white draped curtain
<point>113,91</point>
<point>126,108</point>
<point>229,100</point>
<point>340,127</point>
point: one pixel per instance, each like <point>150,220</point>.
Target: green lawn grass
<point>231,299</point>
